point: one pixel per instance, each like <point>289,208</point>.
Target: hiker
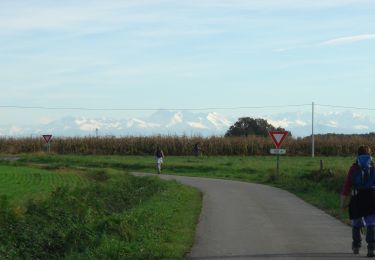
<point>159,156</point>
<point>360,181</point>
<point>197,149</point>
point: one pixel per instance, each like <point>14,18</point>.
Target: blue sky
<point>183,54</point>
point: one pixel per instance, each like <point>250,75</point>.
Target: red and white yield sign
<point>47,138</point>
<point>278,137</point>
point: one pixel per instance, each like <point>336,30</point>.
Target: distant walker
<point>159,156</point>
<point>197,149</point>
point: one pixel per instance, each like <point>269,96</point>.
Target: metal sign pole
<point>278,165</point>
<point>278,138</point>
<point>312,132</point>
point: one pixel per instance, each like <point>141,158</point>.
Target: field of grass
<point>300,175</point>
<point>20,183</point>
<point>75,211</point>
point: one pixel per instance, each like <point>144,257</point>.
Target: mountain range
<point>188,123</point>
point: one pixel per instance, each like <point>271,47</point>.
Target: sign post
<point>48,138</point>
<point>278,138</point>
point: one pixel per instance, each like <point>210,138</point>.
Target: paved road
<point>252,221</point>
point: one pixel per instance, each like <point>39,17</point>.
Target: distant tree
<point>249,126</point>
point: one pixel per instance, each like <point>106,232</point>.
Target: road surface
<point>252,221</point>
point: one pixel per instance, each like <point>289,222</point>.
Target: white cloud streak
<point>92,16</point>
<point>349,39</point>
<point>361,127</point>
<point>332,42</point>
<point>43,15</point>
<point>278,4</point>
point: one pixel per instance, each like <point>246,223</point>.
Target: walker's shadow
<point>282,256</point>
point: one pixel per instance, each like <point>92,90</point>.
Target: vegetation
<point>325,145</point>
<point>108,214</point>
<point>19,183</point>
<point>113,215</point>
<point>300,175</point>
<point>246,126</point>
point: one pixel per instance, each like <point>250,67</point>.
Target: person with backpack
<point>197,149</point>
<point>360,182</point>
<point>159,156</point>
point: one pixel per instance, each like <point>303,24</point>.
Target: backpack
<point>364,175</point>
<point>159,154</point>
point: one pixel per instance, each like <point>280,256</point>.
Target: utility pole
<point>312,132</point>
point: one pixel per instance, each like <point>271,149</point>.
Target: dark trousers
<point>370,237</point>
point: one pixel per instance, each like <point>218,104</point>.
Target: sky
<point>176,54</point>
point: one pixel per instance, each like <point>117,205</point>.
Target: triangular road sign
<point>47,138</point>
<point>278,137</point>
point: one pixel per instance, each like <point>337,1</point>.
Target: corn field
<point>330,145</point>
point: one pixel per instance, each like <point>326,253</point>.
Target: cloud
<point>45,120</point>
<point>284,123</point>
<point>300,123</point>
<point>176,119</point>
<point>137,123</point>
<point>198,125</point>
<point>83,16</point>
<point>349,39</point>
<point>97,15</point>
<point>93,124</point>
<point>359,116</point>
<point>332,42</point>
<point>15,130</point>
<point>329,123</point>
<point>361,127</point>
<point>279,4</point>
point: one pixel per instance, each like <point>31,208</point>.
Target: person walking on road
<point>159,156</point>
<point>360,182</point>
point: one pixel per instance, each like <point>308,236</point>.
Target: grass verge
<point>299,175</point>
<point>114,216</point>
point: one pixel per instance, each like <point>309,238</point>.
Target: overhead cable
<point>150,109</point>
<point>347,107</point>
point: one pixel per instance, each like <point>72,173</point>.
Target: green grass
<point>299,175</point>
<point>229,167</point>
<point>79,210</point>
<point>161,228</point>
<point>112,215</point>
<point>20,183</point>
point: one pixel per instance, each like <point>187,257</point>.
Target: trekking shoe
<point>356,250</point>
<point>370,253</point>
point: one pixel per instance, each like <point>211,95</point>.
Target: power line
<point>193,108</point>
<point>179,109</point>
<point>346,107</point>
<point>150,109</point>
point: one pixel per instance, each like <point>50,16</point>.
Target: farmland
<point>78,212</point>
<point>18,183</point>
<point>113,214</point>
<point>300,175</point>
<point>325,145</point>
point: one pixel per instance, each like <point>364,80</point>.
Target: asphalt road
<point>251,221</point>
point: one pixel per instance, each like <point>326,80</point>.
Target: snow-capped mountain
<point>330,122</point>
<point>191,124</point>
